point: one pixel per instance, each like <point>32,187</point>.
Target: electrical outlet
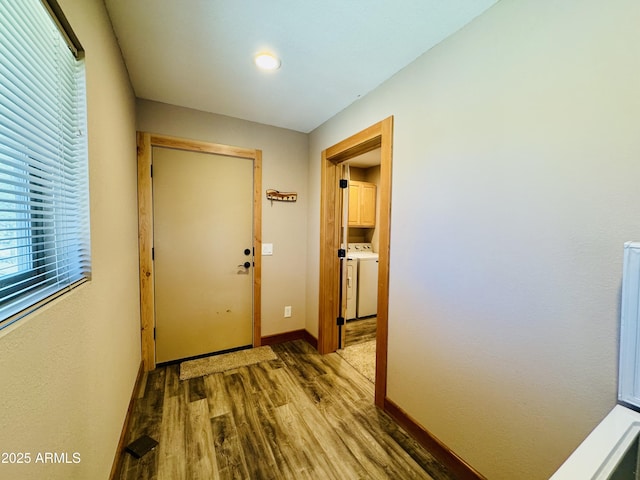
<point>287,311</point>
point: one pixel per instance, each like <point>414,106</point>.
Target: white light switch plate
<point>267,249</point>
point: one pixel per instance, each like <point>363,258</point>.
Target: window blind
<point>44,212</point>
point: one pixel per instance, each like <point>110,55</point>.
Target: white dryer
<point>362,281</point>
<point>352,287</point>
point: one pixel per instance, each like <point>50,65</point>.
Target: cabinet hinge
<point>342,253</point>
<point>344,183</point>
<point>340,321</point>
<point>154,333</point>
<point>153,253</point>
<point>151,170</point>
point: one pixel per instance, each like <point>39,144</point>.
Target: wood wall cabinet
<point>362,204</point>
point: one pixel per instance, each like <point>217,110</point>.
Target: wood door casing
<point>145,142</point>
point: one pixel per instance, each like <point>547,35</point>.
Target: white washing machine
<point>362,281</point>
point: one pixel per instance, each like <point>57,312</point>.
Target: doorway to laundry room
<point>360,239</point>
<point>356,217</point>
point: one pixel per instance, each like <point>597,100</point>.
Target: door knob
<point>245,265</point>
<point>247,251</point>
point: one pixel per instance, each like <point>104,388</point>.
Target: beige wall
<point>284,168</point>
<point>515,184</point>
<point>68,370</point>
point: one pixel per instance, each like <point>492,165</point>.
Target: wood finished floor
<point>360,330</point>
<point>301,416</point>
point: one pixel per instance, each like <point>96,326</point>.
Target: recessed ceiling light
<point>267,61</point>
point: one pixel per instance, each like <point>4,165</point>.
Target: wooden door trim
<point>145,142</point>
<point>378,135</point>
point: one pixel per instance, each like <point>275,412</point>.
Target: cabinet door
<point>368,205</point>
<point>362,204</point>
<point>354,203</point>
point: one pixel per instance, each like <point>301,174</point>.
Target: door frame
<point>380,136</point>
<point>146,142</point>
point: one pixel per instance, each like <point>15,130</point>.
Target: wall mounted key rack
<point>281,196</point>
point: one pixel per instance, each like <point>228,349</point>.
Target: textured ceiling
<point>199,53</point>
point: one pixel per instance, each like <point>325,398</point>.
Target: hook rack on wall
<point>281,196</point>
